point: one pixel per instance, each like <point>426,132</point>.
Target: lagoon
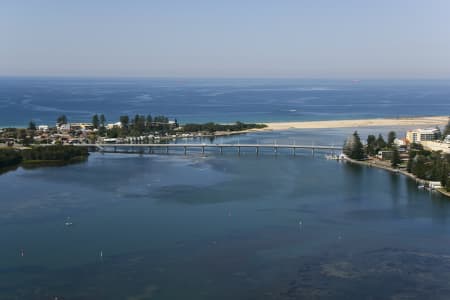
<point>221,227</point>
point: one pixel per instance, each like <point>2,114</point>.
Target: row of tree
<point>54,153</point>
<point>375,144</point>
<point>429,165</point>
<point>354,148</point>
<point>213,127</point>
<point>11,157</point>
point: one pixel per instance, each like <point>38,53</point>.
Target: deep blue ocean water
<point>219,100</point>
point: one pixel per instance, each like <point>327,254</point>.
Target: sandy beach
<point>413,122</point>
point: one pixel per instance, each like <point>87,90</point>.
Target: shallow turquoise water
<point>221,227</point>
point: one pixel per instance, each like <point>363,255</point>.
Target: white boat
<point>332,157</point>
<point>68,223</point>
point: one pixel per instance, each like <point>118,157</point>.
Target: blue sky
<point>299,39</point>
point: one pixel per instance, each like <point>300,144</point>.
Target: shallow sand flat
<point>414,122</point>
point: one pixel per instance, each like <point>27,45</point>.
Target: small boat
<point>68,223</point>
<point>421,187</point>
<point>332,157</point>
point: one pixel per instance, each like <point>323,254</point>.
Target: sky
<point>233,38</point>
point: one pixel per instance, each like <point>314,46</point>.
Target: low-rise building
<point>43,128</point>
<point>81,126</point>
<point>113,125</point>
<point>63,127</point>
<point>385,154</point>
<point>447,139</point>
<point>400,142</point>
<point>436,146</point>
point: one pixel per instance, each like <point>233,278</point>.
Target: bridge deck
<point>271,146</point>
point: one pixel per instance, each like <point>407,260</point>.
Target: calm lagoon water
<point>221,227</point>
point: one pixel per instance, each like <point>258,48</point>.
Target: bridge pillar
<point>313,151</point>
<point>115,149</point>
<point>203,149</point>
<point>185,150</point>
<point>257,150</point>
<point>239,150</point>
<point>167,150</point>
<point>275,149</point>
<point>293,151</point>
<point>221,149</point>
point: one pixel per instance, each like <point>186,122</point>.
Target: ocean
<point>273,226</point>
<point>196,100</point>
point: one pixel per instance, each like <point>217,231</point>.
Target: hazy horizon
<point>200,39</point>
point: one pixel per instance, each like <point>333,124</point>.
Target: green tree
<point>102,120</point>
<point>435,166</point>
<point>148,122</point>
<point>31,125</point>
<point>95,121</point>
<point>124,120</point>
<point>381,144</point>
<point>371,145</point>
<point>446,129</point>
<point>419,166</point>
<point>9,157</point>
<point>395,161</point>
<point>61,120</point>
<point>444,176</point>
<point>353,147</point>
<point>391,138</point>
<point>411,156</point>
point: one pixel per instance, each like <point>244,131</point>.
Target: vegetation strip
<point>42,156</point>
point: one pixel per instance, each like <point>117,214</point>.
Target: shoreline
<point>395,171</point>
<point>423,121</point>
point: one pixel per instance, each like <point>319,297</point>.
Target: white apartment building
<point>422,135</point>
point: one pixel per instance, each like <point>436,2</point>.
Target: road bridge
<point>160,148</point>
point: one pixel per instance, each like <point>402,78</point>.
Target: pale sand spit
<point>413,122</point>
